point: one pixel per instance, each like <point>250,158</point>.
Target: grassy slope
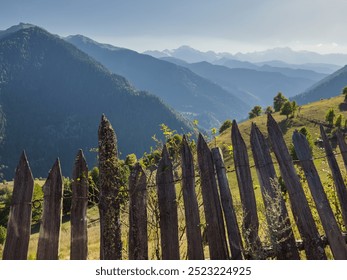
<point>315,110</point>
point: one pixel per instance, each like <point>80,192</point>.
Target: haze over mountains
<point>54,90</point>
<point>281,57</point>
<point>306,76</point>
<point>256,86</point>
<point>190,94</point>
<point>328,87</point>
<point>251,83</point>
<point>52,96</point>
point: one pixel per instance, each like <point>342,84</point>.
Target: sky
<point>219,25</point>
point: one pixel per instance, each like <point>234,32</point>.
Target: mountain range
<point>255,86</point>
<point>190,94</point>
<point>53,91</point>
<point>52,96</point>
<point>208,92</point>
<point>285,54</point>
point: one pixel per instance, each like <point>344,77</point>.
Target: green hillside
<point>313,111</point>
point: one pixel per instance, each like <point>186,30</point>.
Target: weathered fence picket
<point>79,203</point>
<point>19,223</point>
<point>213,212</point>
<point>282,236</point>
<point>301,210</point>
<point>337,177</point>
<point>110,196</point>
<point>138,239</point>
<point>167,208</point>
<point>332,231</point>
<point>244,179</point>
<point>234,236</point>
<point>191,208</point>
<point>48,244</point>
<point>343,146</point>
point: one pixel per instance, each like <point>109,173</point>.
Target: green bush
<point>2,235</point>
<point>37,204</point>
<point>225,126</point>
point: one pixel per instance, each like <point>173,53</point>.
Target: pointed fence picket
<point>167,208</point>
<point>79,203</point>
<point>138,237</point>
<point>18,228</point>
<point>216,237</point>
<point>244,178</point>
<point>191,207</point>
<point>48,244</point>
<point>282,236</point>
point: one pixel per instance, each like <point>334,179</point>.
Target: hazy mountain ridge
<point>326,88</point>
<point>52,96</point>
<point>255,86</point>
<point>276,57</point>
<point>15,28</point>
<point>187,92</point>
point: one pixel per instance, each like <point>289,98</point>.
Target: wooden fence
<point>227,238</point>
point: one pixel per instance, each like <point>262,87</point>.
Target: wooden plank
<point>234,236</point>
<point>244,179</point>
<point>138,240</point>
<point>109,195</point>
<point>48,244</point>
<point>280,228</point>
<point>300,208</point>
<point>79,203</point>
<point>336,173</point>
<point>343,147</point>
<point>167,208</point>
<point>19,222</point>
<point>191,208</point>
<point>336,241</point>
<point>213,211</point>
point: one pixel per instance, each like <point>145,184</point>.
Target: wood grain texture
<point>19,222</point>
<point>79,203</point>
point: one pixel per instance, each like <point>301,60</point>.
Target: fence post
<point>191,208</point>
<point>280,228</point>
<point>19,222</point>
<point>48,244</point>
<point>235,240</point>
<point>301,210</point>
<point>244,179</point>
<point>138,240</point>
<point>167,208</point>
<point>343,146</point>
<point>337,177</point>
<point>332,231</point>
<point>213,212</point>
<point>109,196</point>
<point>79,237</point>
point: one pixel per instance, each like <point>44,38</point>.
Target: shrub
<point>2,235</point>
<point>225,126</point>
